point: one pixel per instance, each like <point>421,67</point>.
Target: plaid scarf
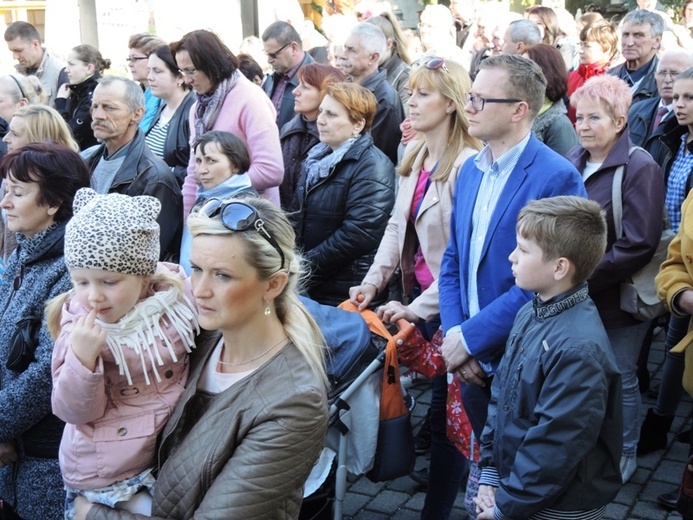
<point>209,105</point>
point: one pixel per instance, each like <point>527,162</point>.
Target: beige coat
<point>432,225</point>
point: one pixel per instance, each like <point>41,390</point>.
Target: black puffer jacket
<point>297,137</point>
<point>76,111</point>
<point>340,220</point>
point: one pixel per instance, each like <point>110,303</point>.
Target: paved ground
<point>657,473</point>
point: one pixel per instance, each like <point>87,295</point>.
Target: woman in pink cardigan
<point>227,101</point>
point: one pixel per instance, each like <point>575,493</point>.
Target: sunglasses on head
<point>436,63</point>
<point>239,216</point>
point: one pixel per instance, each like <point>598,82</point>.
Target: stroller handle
<point>404,327</point>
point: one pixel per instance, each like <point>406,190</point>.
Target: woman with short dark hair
<point>227,100</point>
<point>40,181</point>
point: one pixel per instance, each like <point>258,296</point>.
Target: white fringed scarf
<point>140,328</point>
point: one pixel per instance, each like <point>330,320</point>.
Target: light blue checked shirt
<point>676,184</point>
<point>495,176</point>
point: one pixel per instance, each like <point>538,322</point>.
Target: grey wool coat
<point>35,273</point>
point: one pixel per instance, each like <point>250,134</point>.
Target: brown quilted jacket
<point>244,453</point>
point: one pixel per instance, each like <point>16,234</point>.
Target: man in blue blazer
<point>478,295</point>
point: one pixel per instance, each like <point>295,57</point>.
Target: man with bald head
<point>646,118</point>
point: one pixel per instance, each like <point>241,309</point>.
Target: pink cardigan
<point>248,113</point>
<point>432,229</point>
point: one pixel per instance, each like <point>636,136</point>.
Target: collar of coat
<point>559,303</point>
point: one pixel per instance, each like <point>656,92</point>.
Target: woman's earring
<point>268,311</point>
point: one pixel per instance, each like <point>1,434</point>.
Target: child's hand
<point>82,507</point>
<point>8,453</point>
<point>88,338</point>
<point>485,501</point>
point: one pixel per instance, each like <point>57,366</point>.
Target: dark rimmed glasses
<point>239,216</point>
<point>274,54</point>
<point>478,102</point>
<point>436,63</point>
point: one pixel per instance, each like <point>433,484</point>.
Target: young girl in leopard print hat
<point>120,360</point>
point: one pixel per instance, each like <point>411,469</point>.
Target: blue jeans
<point>670,387</point>
<point>625,344</point>
<point>447,464</point>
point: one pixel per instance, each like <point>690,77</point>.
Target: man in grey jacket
<point>24,42</point>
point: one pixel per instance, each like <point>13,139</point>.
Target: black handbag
<point>23,343</point>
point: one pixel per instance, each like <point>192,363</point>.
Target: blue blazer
<point>539,173</point>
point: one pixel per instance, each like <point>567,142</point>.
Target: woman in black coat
<point>344,195</point>
<point>84,68</point>
<point>300,134</point>
<point>169,134</point>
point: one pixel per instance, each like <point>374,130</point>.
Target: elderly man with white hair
<point>359,61</point>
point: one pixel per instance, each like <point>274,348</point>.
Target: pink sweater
<point>248,113</point>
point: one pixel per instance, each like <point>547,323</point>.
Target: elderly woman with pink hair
<point>601,107</point>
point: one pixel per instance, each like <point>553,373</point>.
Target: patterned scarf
<point>321,159</point>
<point>209,105</point>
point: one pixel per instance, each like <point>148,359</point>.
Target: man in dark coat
<point>285,54</point>
<point>641,38</point>
<point>123,163</point>
<point>362,51</point>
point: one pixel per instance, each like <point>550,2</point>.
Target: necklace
<point>239,363</point>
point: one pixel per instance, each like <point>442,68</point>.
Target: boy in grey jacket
<point>552,442</point>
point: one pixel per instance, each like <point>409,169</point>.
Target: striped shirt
<point>676,184</point>
<point>156,138</point>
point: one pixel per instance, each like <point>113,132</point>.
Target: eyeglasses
<point>135,59</point>
<point>436,63</point>
<point>664,73</point>
<point>239,216</point>
<point>478,102</point>
<point>274,54</point>
<point>188,72</point>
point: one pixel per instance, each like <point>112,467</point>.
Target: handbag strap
<point>617,195</point>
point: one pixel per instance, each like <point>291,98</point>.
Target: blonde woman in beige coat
<point>416,236</point>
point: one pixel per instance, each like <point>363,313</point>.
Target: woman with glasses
<point>141,45</point>
<point>300,134</point>
<point>228,101</point>
<point>344,195</point>
<point>84,68</point>
<point>605,150</point>
<point>552,126</point>
<point>415,240</point>
<point>252,419</point>
<point>17,91</point>
<point>168,136</point>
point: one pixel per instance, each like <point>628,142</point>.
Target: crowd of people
<point>499,181</point>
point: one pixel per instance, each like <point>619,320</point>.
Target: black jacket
<point>286,110</point>
<point>340,220</point>
<point>670,139</point>
<point>647,87</point>
<point>555,428</point>
<point>297,138</point>
<point>143,173</point>
<point>177,145</point>
<point>389,114</point>
<point>76,111</point>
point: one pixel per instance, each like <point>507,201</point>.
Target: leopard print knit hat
<point>113,232</point>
